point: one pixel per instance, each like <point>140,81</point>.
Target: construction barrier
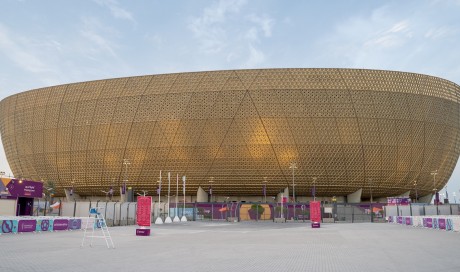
<point>447,223</point>
<point>17,224</point>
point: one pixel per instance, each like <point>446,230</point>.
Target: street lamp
<point>126,162</point>
<point>211,181</point>
<point>434,173</point>
<point>370,187</point>
<point>314,188</point>
<point>159,220</point>
<point>416,194</point>
<point>210,192</point>
<point>447,196</point>
<point>293,166</point>
<point>265,189</point>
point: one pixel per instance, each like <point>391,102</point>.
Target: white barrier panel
<point>15,224</point>
<point>441,222</point>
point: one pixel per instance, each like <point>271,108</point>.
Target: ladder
<point>97,222</point>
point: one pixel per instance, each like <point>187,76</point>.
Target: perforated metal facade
<point>349,128</point>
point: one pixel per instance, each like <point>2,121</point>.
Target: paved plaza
<point>246,246</point>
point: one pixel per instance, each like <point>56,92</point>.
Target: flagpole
<point>176,218</point>
<point>168,219</point>
<point>159,220</point>
<point>184,218</point>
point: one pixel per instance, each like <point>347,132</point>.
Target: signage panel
<point>61,224</point>
<point>27,225</point>
<point>315,211</point>
<point>144,211</point>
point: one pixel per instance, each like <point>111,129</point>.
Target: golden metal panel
<point>343,126</point>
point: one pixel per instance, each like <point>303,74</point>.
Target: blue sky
<point>47,42</point>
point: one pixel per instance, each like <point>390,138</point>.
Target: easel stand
<point>97,222</point>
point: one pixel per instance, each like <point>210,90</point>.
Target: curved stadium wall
<point>349,129</point>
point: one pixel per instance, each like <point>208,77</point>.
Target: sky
<point>52,42</point>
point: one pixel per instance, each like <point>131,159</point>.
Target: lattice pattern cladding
<point>349,128</point>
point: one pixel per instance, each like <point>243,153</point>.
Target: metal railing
<point>122,214</point>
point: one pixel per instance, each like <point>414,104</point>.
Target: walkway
<point>221,246</point>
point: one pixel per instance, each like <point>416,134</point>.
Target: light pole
<point>416,194</point>
<point>176,217</point>
<point>211,181</point>
<point>293,166</point>
<point>370,187</point>
<point>126,162</point>
<point>447,196</point>
<point>183,218</point>
<point>434,173</point>
<point>159,220</point>
<point>265,189</point>
<point>314,188</point>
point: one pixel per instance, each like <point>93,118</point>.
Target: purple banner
<point>408,221</point>
<point>61,224</point>
<point>142,232</point>
<point>398,201</point>
<point>74,224</point>
<point>442,223</point>
<point>24,188</point>
<point>27,225</point>
<point>429,222</point>
<point>399,220</point>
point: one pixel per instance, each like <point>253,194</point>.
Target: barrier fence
<point>19,224</point>
<point>121,214</point>
<point>439,222</point>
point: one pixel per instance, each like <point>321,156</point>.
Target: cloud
<point>390,39</point>
<point>255,58</point>
<point>92,30</point>
<point>115,9</point>
<point>440,32</point>
<point>155,40</point>
<point>209,27</point>
<point>225,29</point>
<point>20,50</point>
<point>265,23</point>
<point>395,36</point>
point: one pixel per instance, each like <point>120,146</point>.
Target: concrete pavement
<point>244,246</point>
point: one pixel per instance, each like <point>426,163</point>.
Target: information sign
<point>315,211</point>
<point>144,211</point>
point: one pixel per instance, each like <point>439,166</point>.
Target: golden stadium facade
<point>348,128</point>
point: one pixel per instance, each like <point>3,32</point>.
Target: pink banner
<point>315,211</point>
<point>144,210</point>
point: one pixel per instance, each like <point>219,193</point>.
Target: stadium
<point>246,133</point>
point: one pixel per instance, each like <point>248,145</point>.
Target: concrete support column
<point>406,194</point>
<point>425,199</point>
<point>201,195</point>
<point>355,197</point>
<point>285,194</point>
<point>70,198</point>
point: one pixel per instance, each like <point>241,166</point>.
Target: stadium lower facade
<point>335,130</point>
